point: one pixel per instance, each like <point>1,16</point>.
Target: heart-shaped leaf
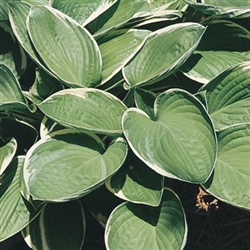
<point>83,11</point>
<point>137,183</point>
<point>179,142</point>
<point>231,177</point>
<point>58,226</point>
<point>16,212</point>
<point>11,96</point>
<point>119,50</point>
<point>222,9</point>
<point>90,109</point>
<point>66,48</point>
<point>163,53</point>
<point>140,227</point>
<point>223,45</point>
<point>228,96</point>
<point>7,152</point>
<point>76,164</point>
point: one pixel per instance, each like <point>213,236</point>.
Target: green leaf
<point>7,152</point>
<point>228,96</point>
<point>90,109</point>
<point>222,8</point>
<point>24,133</point>
<point>37,2</point>
<point>179,142</point>
<point>4,9</point>
<point>44,85</point>
<point>18,13</point>
<point>144,100</point>
<point>16,212</point>
<point>163,53</point>
<point>231,177</point>
<point>48,126</point>
<point>137,183</point>
<point>58,226</point>
<point>164,4</point>
<point>140,227</point>
<point>11,96</point>
<point>118,16</point>
<point>223,45</point>
<point>76,165</point>
<point>11,53</point>
<point>118,51</point>
<point>83,11</point>
<point>66,48</point>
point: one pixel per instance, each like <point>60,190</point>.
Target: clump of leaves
<point>126,95</point>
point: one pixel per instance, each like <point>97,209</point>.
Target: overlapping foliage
<point>114,101</point>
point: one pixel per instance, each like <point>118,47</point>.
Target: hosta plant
<point>121,95</point>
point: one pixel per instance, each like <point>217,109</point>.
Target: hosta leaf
<point>89,109</point>
<point>228,96</point>
<point>223,45</point>
<point>15,212</point>
<point>4,9</point>
<point>48,126</point>
<point>77,164</point>
<point>231,177</point>
<point>44,85</point>
<point>101,202</point>
<point>222,9</point>
<point>11,96</point>
<point>11,53</point>
<point>83,11</point>
<point>179,142</point>
<point>137,183</point>
<point>58,226</point>
<point>119,50</point>
<point>24,133</point>
<point>18,13</point>
<point>144,100</point>
<point>66,48</point>
<point>37,2</point>
<point>164,4</point>
<point>134,226</point>
<point>164,52</point>
<point>118,15</point>
<point>7,152</point>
